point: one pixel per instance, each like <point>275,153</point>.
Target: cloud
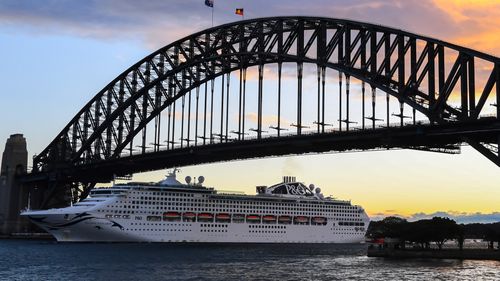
<point>155,23</point>
<point>459,217</point>
<point>478,22</point>
<point>288,72</point>
<point>267,120</point>
<point>158,22</point>
<point>474,23</point>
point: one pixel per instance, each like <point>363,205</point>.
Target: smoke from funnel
<point>291,167</point>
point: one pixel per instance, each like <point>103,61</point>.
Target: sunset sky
<point>57,54</point>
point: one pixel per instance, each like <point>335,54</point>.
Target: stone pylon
<point>12,197</point>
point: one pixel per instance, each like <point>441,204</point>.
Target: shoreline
<point>465,254</point>
<point>28,236</point>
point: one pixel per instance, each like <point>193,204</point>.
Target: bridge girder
<point>409,67</point>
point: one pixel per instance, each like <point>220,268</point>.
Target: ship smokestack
<point>287,179</point>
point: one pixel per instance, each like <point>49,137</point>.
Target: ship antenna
<point>29,201</point>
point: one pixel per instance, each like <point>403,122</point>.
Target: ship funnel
<point>287,179</point>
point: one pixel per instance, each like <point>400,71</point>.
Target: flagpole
<point>210,4</point>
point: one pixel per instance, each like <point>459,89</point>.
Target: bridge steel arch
<point>421,72</point>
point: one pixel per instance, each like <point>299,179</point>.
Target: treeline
<point>437,230</point>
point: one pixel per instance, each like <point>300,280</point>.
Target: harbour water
<point>48,260</point>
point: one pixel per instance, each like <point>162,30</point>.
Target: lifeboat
<point>153,218</point>
<point>284,219</point>
<point>171,216</point>
<point>319,220</point>
<point>253,218</point>
<point>223,217</point>
<point>205,217</point>
<point>301,220</point>
<point>238,217</point>
<point>189,216</point>
<point>269,219</point>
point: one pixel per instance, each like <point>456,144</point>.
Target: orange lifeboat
<point>301,220</point>
<point>253,218</point>
<point>284,219</point>
<point>205,217</point>
<point>189,216</point>
<point>223,217</point>
<point>319,220</point>
<point>171,216</point>
<point>269,219</point>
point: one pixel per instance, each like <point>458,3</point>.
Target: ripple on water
<point>42,260</point>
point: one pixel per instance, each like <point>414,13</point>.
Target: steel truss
<point>418,71</point>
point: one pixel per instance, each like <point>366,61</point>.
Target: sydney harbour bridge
<point>270,87</point>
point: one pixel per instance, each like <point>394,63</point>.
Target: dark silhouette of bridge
<point>336,85</point>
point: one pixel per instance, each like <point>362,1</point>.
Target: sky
<point>57,54</point>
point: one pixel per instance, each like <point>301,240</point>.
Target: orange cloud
<point>271,72</point>
<point>479,21</point>
<point>267,120</point>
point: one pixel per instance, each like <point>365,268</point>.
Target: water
<point>47,260</point>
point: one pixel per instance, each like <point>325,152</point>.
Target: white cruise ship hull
<point>173,212</point>
<point>94,229</point>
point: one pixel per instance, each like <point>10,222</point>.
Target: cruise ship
<point>171,211</point>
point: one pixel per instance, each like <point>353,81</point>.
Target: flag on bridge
<point>239,11</point>
<point>210,3</point>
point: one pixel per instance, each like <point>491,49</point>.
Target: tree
<point>393,227</point>
<point>489,232</point>
<point>437,230</point>
<point>420,232</point>
<point>492,235</point>
<point>460,235</point>
<point>444,229</point>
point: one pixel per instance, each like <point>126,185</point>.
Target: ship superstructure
<point>170,211</point>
